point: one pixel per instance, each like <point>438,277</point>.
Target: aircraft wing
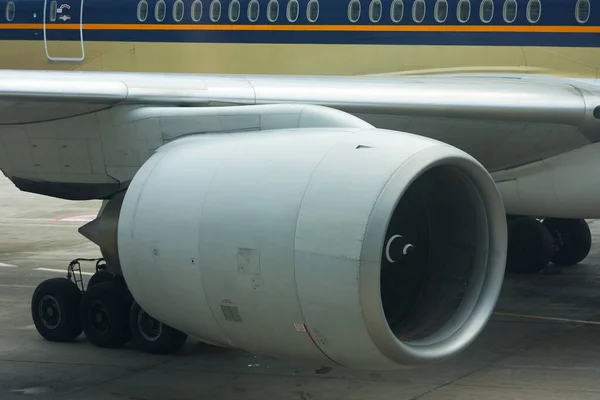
<point>504,122</point>
<point>469,97</point>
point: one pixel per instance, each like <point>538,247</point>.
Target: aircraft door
<point>63,30</point>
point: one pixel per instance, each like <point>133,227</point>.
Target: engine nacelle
<point>365,248</point>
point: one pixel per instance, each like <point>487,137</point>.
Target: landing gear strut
<point>106,312</point>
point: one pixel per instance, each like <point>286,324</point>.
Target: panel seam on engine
<point>312,339</point>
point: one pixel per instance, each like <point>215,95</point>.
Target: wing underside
<point>86,118</point>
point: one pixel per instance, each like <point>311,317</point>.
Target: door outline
<point>65,59</point>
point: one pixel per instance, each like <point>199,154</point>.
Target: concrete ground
<point>537,346</point>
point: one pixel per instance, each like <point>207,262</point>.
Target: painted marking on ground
<point>3,265</point>
<point>568,320</point>
<point>6,285</point>
<point>61,271</point>
<point>80,217</point>
<point>31,390</point>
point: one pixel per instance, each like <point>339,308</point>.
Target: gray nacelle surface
<point>365,248</point>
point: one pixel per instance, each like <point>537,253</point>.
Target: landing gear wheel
<point>530,246</point>
<point>153,336</point>
<point>55,310</point>
<point>100,277</point>
<point>572,237</point>
<point>105,313</point>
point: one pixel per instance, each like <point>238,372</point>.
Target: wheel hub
<point>49,311</point>
<point>100,317</point>
<point>149,328</point>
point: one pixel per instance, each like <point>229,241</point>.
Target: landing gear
<point>530,246</point>
<point>572,237</point>
<point>153,336</point>
<point>106,312</point>
<point>100,277</point>
<point>55,310</point>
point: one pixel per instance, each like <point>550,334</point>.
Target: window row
<point>441,11</point>
<point>233,11</point>
<point>463,11</point>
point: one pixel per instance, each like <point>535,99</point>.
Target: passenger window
<point>293,10</point>
<point>273,10</point>
<point>486,11</point>
<point>215,10</point>
<point>582,11</point>
<point>463,11</point>
<point>253,10</point>
<point>509,13</point>
<point>441,11</point>
<point>312,10</point>
<point>534,11</point>
<point>234,10</point>
<point>52,12</point>
<point>397,11</point>
<point>375,11</point>
<point>10,11</point>
<point>354,10</point>
<point>160,11</point>
<point>418,11</point>
<point>196,10</point>
<point>178,10</point>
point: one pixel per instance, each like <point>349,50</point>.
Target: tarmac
<point>542,343</point>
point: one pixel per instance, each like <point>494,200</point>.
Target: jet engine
<point>364,248</point>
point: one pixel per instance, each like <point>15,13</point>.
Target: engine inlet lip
<point>423,352</point>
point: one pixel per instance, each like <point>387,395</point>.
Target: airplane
<point>340,182</point>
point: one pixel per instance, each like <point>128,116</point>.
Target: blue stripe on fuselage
<point>559,13</point>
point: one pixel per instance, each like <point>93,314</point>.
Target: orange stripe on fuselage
<point>314,28</point>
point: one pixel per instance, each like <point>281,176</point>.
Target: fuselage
<point>337,37</point>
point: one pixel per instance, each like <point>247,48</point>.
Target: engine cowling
<point>365,248</point>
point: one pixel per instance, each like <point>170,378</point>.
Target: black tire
<point>105,276</point>
<point>100,277</point>
<point>530,246</point>
<point>55,310</point>
<point>573,239</point>
<point>105,314</point>
<point>156,339</point>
